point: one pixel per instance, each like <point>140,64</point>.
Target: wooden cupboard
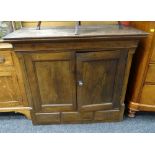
<point>75,78</point>
<point>141,87</point>
<point>12,95</point>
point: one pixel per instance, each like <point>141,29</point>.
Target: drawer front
<point>5,58</point>
<point>9,89</point>
<point>153,56</point>
<point>148,95</point>
<point>151,73</point>
<point>153,52</point>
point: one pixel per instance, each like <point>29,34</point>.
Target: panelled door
<point>51,79</point>
<point>74,82</point>
<point>100,79</point>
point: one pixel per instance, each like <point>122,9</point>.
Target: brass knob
<point>152,30</point>
<point>80,83</point>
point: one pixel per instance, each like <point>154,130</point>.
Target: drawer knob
<point>2,59</point>
<point>80,83</point>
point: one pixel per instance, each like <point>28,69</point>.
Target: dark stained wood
<point>102,79</point>
<point>46,118</point>
<point>76,79</point>
<point>76,45</point>
<point>127,71</point>
<point>52,88</point>
<point>66,33</point>
<point>76,117</point>
<point>113,115</point>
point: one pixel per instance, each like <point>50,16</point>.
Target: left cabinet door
<point>9,90</point>
<point>51,78</point>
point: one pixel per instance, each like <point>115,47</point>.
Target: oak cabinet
<point>72,78</point>
<point>6,58</point>
<point>141,87</point>
<point>153,55</point>
<point>12,94</point>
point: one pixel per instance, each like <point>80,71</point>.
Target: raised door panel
<point>100,79</point>
<point>52,81</point>
<point>9,90</point>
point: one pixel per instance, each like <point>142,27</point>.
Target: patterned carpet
<point>15,123</point>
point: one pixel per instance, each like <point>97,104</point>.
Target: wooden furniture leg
<point>131,113</point>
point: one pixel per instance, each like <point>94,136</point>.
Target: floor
<point>143,123</point>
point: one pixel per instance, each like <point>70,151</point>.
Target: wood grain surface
<point>75,79</point>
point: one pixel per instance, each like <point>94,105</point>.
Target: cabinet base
<point>134,107</point>
<point>23,110</point>
<point>78,117</point>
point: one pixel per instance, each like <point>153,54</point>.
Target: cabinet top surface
<point>109,31</point>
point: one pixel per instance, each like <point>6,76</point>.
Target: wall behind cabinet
<point>62,23</point>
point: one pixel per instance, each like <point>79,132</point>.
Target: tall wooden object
<point>72,78</point>
<point>141,89</point>
<point>12,93</point>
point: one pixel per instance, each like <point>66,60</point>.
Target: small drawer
<point>5,58</point>
<point>153,55</point>
<point>151,73</point>
<point>148,95</point>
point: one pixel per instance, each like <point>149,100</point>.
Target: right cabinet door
<point>100,79</point>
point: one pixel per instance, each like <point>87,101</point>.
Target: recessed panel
<point>8,89</point>
<point>53,81</point>
<point>98,78</point>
